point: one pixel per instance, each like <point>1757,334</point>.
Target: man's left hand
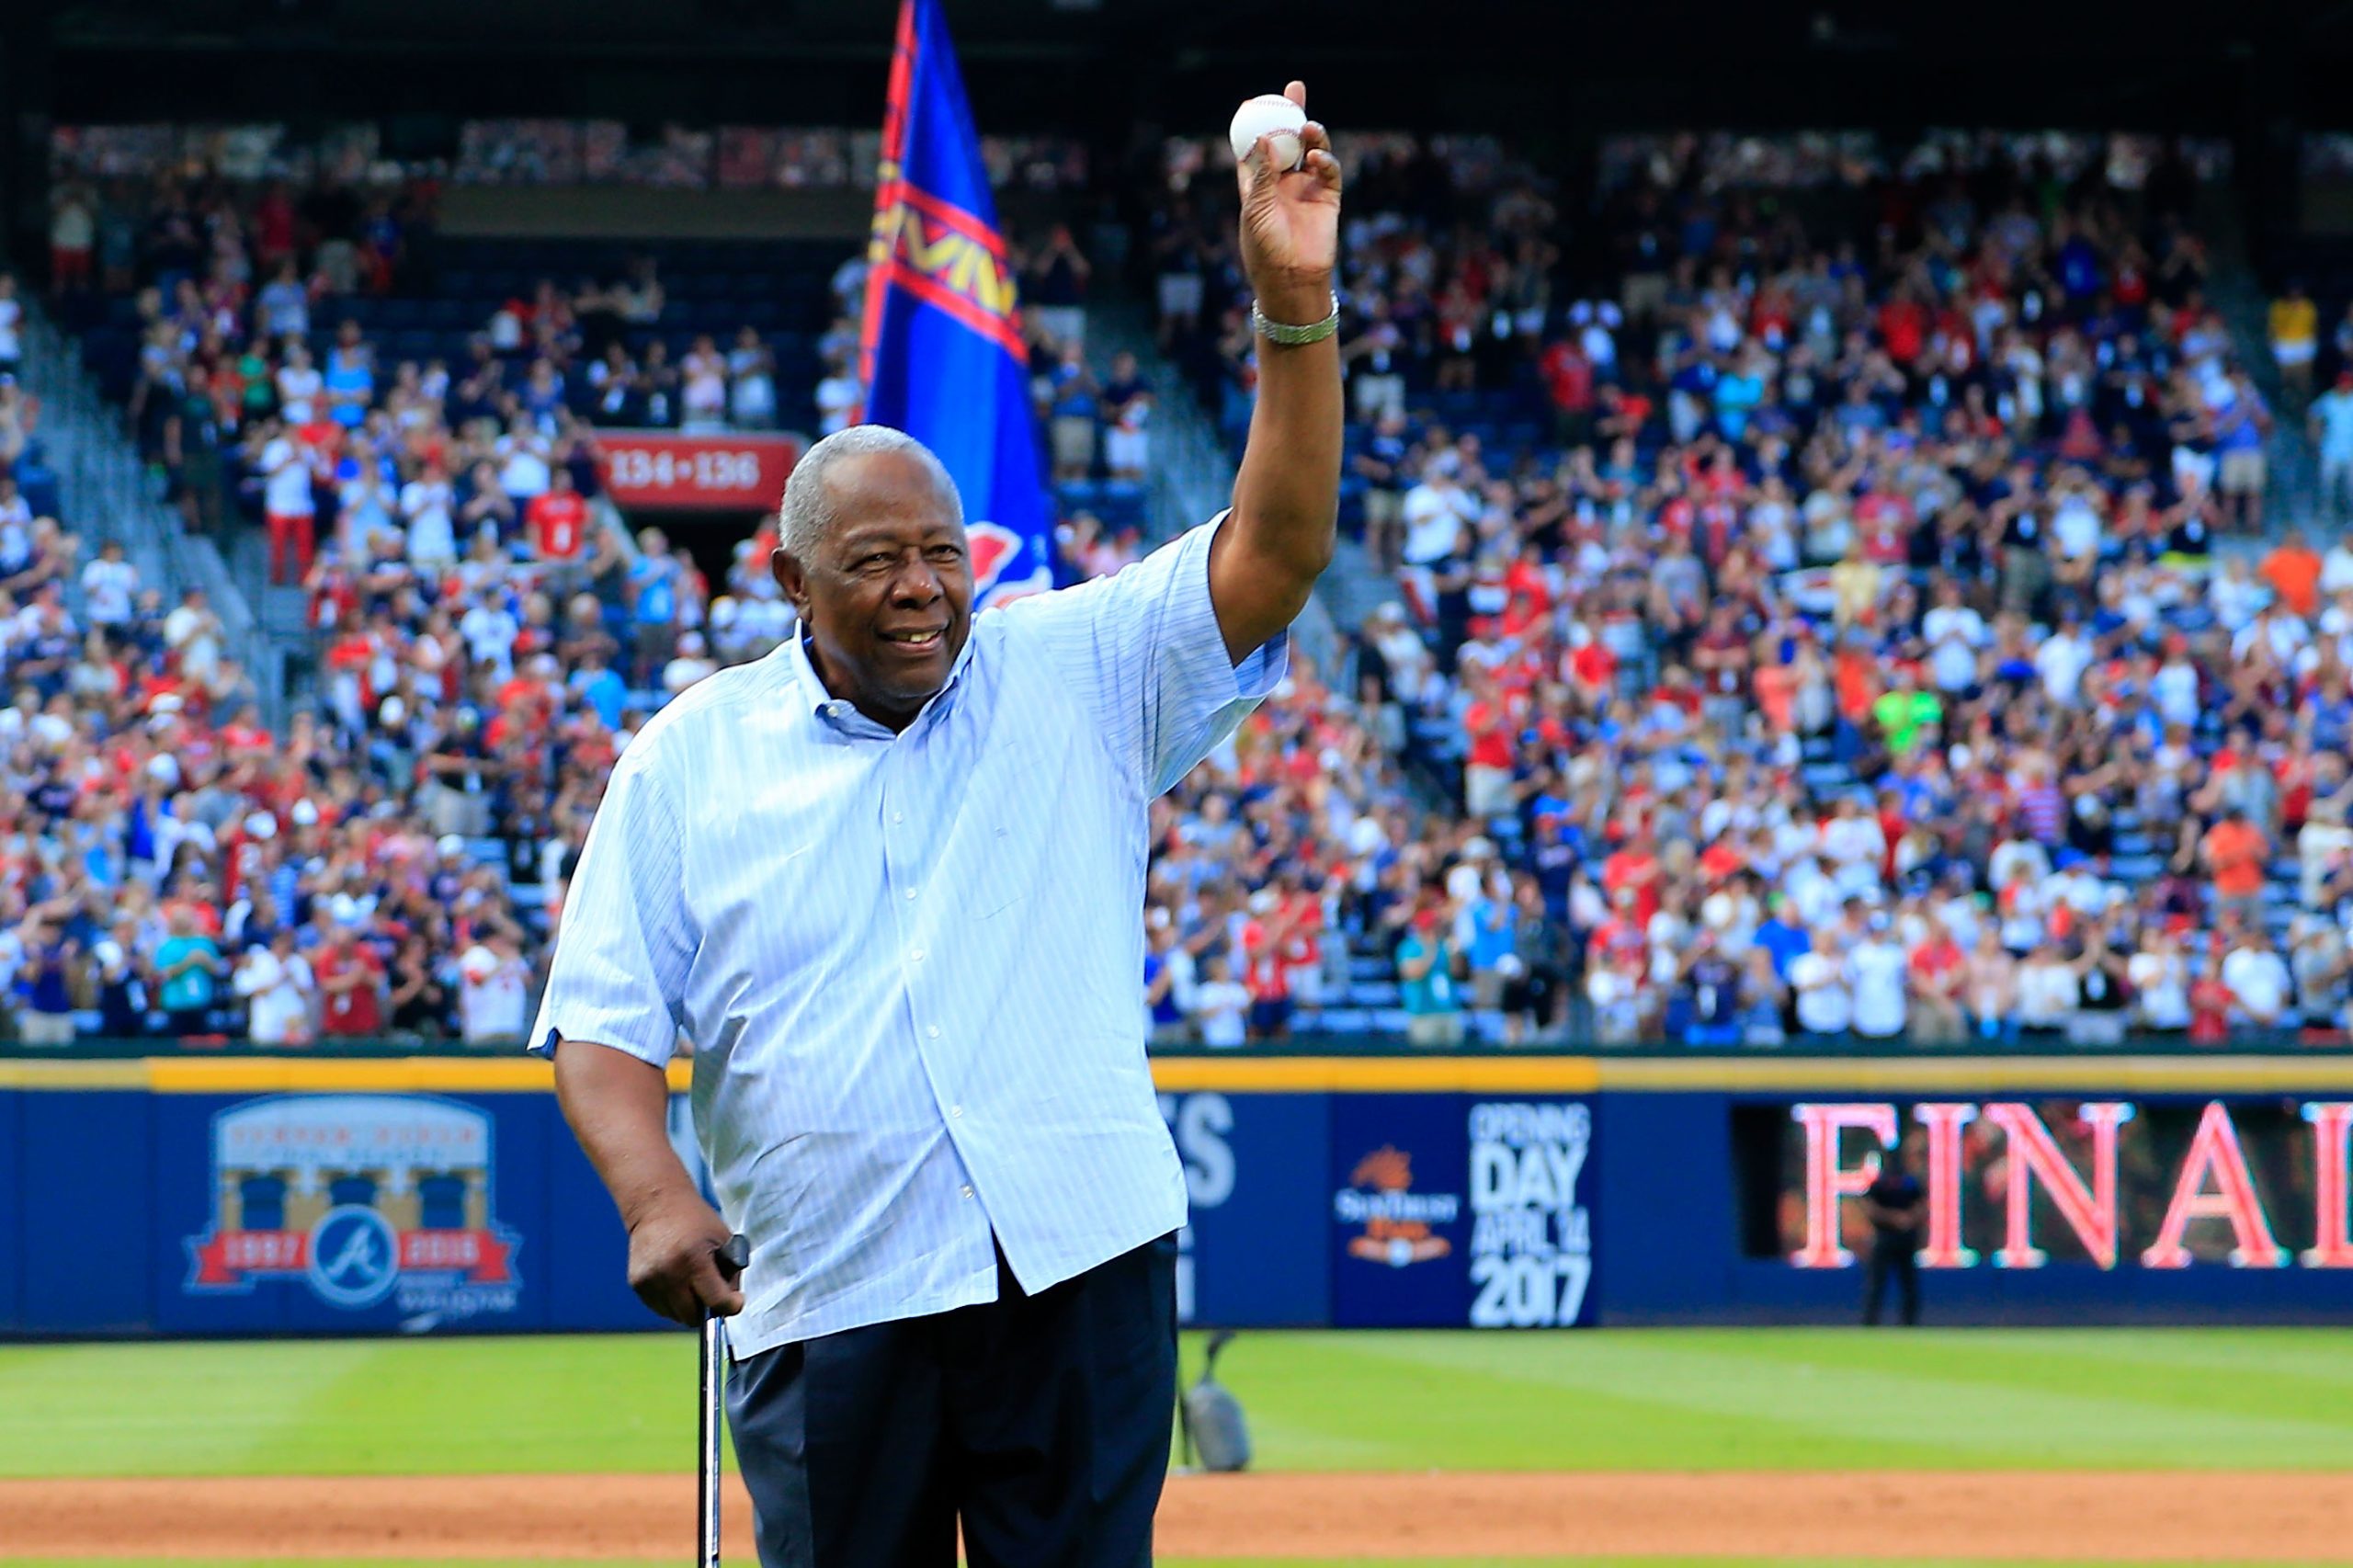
<point>1290,224</point>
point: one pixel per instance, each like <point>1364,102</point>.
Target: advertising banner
<point>734,472</point>
<point>1461,1209</point>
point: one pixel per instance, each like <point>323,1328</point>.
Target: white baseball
<point>1270,111</point>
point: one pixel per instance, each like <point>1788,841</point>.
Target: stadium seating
<point>1634,746</point>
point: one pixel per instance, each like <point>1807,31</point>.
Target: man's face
<point>889,597</point>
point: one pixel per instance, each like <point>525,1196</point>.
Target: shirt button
<point>916,955</point>
<point>911,892</point>
<point>933,1032</point>
<point>898,816</point>
<point>956,1111</point>
<point>968,1192</point>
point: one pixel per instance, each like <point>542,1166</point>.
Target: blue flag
<point>942,356</point>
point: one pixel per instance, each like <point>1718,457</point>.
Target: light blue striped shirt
<point>912,965</point>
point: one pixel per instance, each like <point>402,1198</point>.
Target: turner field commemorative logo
<point>362,1199</point>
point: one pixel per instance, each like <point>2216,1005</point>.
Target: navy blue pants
<point>1039,1423</point>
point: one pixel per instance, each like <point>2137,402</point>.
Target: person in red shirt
<point>1903,325</point>
<point>558,517</point>
<point>1264,960</point>
<point>1568,376</point>
<point>1624,936</point>
<point>1937,971</point>
<point>1487,772</point>
<point>351,981</point>
<point>1302,909</point>
<point>1591,667</point>
<point>1633,867</point>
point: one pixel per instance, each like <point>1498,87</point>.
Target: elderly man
<point>889,880</point>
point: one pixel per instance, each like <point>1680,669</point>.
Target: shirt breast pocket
<point>1002,884</point>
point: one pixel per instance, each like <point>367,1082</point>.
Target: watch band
<point>1292,336</point>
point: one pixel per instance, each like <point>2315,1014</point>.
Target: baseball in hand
<point>1270,111</point>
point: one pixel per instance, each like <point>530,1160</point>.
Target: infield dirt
<point>2116,1516</point>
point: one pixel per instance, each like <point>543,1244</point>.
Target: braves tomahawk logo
<point>1000,574</point>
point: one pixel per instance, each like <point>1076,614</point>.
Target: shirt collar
<point>824,706</point>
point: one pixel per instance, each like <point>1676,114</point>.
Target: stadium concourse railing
<point>2241,1042</point>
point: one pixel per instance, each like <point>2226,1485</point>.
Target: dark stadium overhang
<point>1557,67</point>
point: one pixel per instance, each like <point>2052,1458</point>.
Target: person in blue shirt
<point>601,687</point>
<point>2242,425</point>
<point>350,378</point>
<point>1781,936</point>
<point>653,604</point>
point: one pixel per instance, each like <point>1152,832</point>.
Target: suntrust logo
<point>1397,1220</point>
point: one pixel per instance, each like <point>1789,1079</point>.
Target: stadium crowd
<point>1818,631</point>
<point>488,633</point>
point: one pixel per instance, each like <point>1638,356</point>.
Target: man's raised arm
<point>1286,499</point>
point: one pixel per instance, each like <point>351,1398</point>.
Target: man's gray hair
<point>807,514</point>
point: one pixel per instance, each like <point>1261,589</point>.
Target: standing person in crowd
<point>2295,337</point>
<point>2331,422</point>
<point>1878,969</point>
<point>494,991</point>
<point>350,982</point>
<point>275,982</point>
<point>1221,1005</point>
<point>188,967</point>
<point>1824,998</point>
<point>51,956</point>
<point>1897,1208</point>
<point>1425,982</point>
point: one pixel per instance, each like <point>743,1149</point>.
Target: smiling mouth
<point>917,641</point>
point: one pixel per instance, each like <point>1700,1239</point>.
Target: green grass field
<point>1623,1400</point>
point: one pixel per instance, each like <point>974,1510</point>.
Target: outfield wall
<point>204,1197</point>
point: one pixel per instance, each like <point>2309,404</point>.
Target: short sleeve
<point>619,974</point>
<point>1143,649</point>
